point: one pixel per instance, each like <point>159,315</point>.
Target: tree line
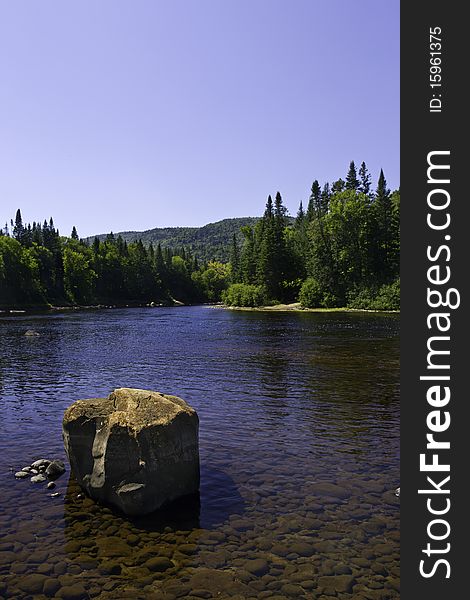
<point>39,267</point>
<point>342,250</point>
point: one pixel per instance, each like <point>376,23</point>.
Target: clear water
<point>299,444</point>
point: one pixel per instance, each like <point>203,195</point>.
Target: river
<point>299,444</point>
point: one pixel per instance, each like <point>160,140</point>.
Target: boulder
<point>55,469</point>
<point>136,450</point>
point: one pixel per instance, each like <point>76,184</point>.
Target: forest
<point>342,250</point>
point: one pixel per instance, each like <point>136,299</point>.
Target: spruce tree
<point>338,186</point>
<point>314,205</point>
<point>18,229</point>
<point>74,234</point>
<point>352,182</point>
<point>365,184</point>
<point>300,218</point>
<point>325,198</point>
<point>235,260</point>
<point>383,211</point>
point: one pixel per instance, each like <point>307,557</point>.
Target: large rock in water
<point>136,449</point>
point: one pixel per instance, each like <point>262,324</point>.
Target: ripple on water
<point>299,455</point>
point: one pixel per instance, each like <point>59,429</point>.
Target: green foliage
<point>242,294</point>
<point>19,274</point>
<point>40,267</point>
<point>78,275</point>
<point>385,297</point>
<point>311,294</point>
<point>344,250</point>
<point>348,240</point>
<point>213,280</point>
<point>211,242</point>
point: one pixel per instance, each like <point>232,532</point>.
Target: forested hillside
<point>341,250</point>
<point>211,242</point>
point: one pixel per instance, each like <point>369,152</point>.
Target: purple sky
<point>127,115</point>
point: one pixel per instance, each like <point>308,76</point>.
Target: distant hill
<point>211,242</point>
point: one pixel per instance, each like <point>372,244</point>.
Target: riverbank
<point>296,307</point>
<point>46,308</point>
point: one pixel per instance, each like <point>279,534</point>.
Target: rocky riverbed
<point>341,542</point>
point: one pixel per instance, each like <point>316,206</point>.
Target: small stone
<point>257,566</point>
<point>55,495</point>
<point>159,563</point>
<point>50,485</point>
<point>32,584</point>
<point>80,496</point>
<point>31,333</point>
<point>72,592</point>
<point>38,478</point>
<point>21,474</point>
<point>41,462</point>
<point>27,469</point>
<point>51,586</point>
<point>55,469</point>
<point>110,568</point>
<point>34,471</point>
<point>336,583</point>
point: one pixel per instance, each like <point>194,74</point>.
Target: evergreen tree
<point>235,260</point>
<point>325,198</point>
<point>300,218</point>
<point>314,203</point>
<point>352,182</point>
<point>338,186</point>
<point>74,234</point>
<point>365,184</point>
<point>18,229</point>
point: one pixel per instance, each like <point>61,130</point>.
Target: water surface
<point>299,443</point>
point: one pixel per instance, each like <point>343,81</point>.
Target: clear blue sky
<point>127,115</point>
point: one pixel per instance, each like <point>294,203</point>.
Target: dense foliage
<point>211,242</point>
<point>38,267</point>
<point>342,251</point>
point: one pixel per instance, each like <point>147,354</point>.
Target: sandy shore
<point>296,307</point>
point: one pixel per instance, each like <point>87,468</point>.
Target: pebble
<point>50,485</point>
<point>21,474</point>
<point>158,563</point>
<point>38,478</point>
<point>41,462</point>
<point>55,469</point>
<point>55,495</point>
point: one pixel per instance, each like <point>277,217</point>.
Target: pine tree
<point>18,229</point>
<point>383,211</point>
<point>352,182</point>
<point>325,198</point>
<point>365,184</point>
<point>96,245</point>
<point>300,218</point>
<point>338,186</point>
<point>74,234</point>
<point>314,206</point>
<point>235,260</point>
<point>268,213</point>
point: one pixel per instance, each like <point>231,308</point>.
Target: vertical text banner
<point>435,357</point>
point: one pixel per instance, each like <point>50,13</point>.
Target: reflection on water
<point>299,441</point>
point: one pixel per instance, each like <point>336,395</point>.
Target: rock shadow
<point>218,499</point>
